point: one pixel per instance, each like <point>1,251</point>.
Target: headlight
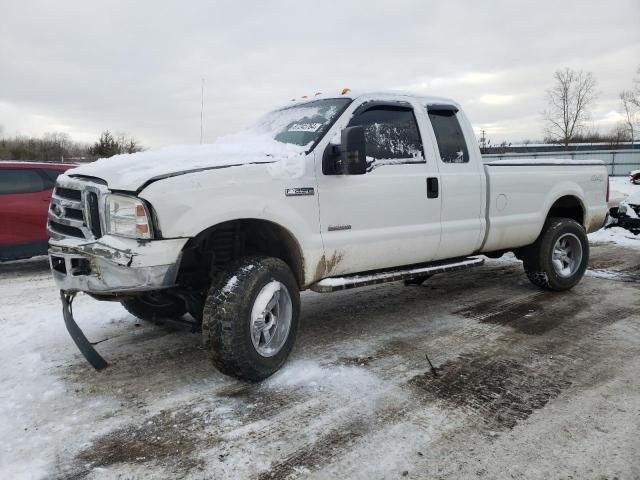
<point>128,217</point>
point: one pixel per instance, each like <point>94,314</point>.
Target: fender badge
<point>299,191</point>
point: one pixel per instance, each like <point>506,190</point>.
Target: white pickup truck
<point>324,194</point>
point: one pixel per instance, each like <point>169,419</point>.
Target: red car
<point>25,192</point>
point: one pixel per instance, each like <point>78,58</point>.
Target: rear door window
<point>451,142</point>
<point>20,181</point>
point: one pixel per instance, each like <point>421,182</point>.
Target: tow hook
<point>85,347</point>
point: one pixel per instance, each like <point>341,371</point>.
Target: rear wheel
<point>250,319</point>
<point>154,306</point>
<point>559,257</point>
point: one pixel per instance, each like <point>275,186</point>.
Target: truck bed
<point>521,192</point>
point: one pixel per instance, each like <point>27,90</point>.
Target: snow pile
<point>617,235</point>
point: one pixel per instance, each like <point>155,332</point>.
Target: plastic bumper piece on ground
<point>85,347</point>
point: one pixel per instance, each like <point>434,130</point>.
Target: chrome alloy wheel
<point>567,255</point>
<point>271,318</point>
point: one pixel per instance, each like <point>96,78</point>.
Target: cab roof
<point>353,95</point>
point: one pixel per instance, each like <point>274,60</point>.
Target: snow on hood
<point>131,171</point>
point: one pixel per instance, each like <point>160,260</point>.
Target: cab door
<point>383,218</point>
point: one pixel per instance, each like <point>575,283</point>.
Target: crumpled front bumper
<point>113,265</point>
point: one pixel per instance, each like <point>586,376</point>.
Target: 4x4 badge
<point>298,191</point>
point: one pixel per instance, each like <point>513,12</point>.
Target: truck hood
<point>132,172</point>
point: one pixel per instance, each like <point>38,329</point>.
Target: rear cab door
<point>462,180</point>
<point>383,218</point>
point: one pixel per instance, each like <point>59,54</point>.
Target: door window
<point>20,181</point>
<point>391,135</point>
<point>451,142</point>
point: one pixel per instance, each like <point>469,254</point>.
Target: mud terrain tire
<point>251,318</point>
<point>559,257</point>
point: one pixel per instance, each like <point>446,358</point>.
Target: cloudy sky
<point>84,66</point>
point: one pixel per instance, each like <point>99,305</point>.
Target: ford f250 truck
<point>324,194</point>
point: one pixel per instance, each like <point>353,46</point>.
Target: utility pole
<point>201,109</point>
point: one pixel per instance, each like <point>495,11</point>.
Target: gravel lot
<point>530,384</point>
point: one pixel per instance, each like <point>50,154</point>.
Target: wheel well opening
<point>568,207</point>
<point>216,246</point>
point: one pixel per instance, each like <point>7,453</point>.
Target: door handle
<point>433,190</point>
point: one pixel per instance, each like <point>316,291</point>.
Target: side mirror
<point>352,151</point>
<point>348,158</point>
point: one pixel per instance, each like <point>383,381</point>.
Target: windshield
<point>304,124</point>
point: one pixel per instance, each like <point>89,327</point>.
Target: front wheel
<point>250,319</point>
<point>559,257</point>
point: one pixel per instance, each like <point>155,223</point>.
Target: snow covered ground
<point>621,186</point>
<point>530,385</point>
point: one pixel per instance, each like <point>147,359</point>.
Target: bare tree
<point>630,112</point>
<point>569,102</point>
<point>635,93</point>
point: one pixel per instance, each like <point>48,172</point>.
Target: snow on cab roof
<point>373,93</point>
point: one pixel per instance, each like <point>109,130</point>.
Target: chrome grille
<point>75,210</point>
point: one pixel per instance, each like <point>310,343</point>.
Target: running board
<point>332,284</point>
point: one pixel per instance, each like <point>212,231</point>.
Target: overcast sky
<point>85,66</point>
